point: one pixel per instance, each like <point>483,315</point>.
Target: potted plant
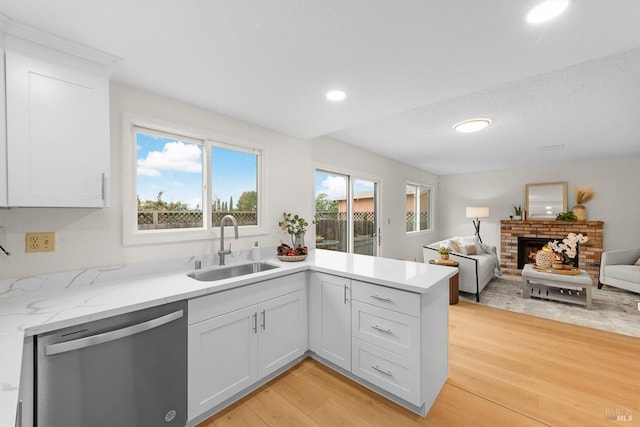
<point>566,216</point>
<point>444,252</point>
<point>517,212</point>
<point>296,226</point>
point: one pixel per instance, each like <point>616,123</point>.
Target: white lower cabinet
<point>387,344</point>
<point>393,340</point>
<point>240,344</point>
<point>223,358</point>
<point>281,337</point>
<point>330,318</point>
<point>396,374</point>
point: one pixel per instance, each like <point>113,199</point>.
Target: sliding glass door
<point>346,213</point>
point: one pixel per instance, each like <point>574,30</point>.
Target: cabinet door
<point>282,324</point>
<point>57,135</point>
<point>331,318</point>
<point>222,358</point>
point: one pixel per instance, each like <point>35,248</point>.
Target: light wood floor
<point>505,369</point>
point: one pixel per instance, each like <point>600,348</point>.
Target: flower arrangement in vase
<point>567,250</point>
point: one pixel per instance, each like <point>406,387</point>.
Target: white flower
<point>569,245</point>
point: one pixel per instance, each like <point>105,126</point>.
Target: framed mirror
<point>546,200</point>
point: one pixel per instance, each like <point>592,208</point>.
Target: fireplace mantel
<point>590,252</point>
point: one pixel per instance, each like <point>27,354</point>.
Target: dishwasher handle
<point>92,340</point>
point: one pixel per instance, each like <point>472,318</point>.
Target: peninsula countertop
<point>33,305</point>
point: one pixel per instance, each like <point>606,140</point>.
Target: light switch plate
<point>40,242</point>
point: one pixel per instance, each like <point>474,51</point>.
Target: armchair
<point>621,268</point>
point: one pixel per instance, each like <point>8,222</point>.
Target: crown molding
<point>25,33</point>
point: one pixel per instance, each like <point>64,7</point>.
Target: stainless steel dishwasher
<point>126,371</point>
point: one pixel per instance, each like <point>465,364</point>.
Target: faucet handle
<point>229,247</point>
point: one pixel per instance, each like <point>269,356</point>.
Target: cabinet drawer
<point>388,329</point>
<point>391,372</point>
<point>212,305</point>
<point>382,296</point>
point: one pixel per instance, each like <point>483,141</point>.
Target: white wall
<point>93,237</point>
<point>338,157</point>
<point>616,201</point>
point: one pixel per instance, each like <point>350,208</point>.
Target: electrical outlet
<point>40,242</point>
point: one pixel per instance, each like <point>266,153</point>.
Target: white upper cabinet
<point>57,147</point>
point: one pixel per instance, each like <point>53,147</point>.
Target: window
<point>179,186</point>
<point>418,208</point>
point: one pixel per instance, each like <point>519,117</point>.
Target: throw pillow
<point>469,249</point>
<point>471,240</point>
<point>638,262</point>
<point>453,245</point>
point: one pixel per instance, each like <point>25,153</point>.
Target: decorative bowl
<point>294,258</point>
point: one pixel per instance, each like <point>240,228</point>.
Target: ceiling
<point>566,90</point>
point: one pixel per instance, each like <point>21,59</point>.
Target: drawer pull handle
<point>378,328</point>
<point>382,371</point>
<point>378,297</point>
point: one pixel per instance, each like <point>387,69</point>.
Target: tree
<point>230,203</point>
<point>324,204</point>
<point>248,201</point>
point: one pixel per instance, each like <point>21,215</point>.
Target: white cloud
<point>175,156</point>
<point>334,186</point>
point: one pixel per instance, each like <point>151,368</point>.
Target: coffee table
<point>557,287</point>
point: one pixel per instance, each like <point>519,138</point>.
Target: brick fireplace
<point>589,253</point>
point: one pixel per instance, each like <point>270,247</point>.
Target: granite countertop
<point>33,305</point>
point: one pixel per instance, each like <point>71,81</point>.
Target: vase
<point>299,241</point>
<point>544,259</point>
<point>580,212</point>
<point>444,256</point>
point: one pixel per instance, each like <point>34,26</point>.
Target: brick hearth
<point>590,252</point>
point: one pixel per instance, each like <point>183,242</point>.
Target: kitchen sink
<point>231,271</point>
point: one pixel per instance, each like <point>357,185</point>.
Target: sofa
<point>478,261</point>
<point>621,268</point>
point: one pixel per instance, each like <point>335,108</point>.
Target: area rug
<point>613,310</point>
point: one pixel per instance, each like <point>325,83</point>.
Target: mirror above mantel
<point>545,200</point>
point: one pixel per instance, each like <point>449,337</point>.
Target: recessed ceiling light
<point>472,125</point>
<point>336,95</point>
<point>546,11</point>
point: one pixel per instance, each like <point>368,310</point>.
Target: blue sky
<point>175,168</point>
<point>335,186</point>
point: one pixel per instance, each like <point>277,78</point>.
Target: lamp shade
<point>477,212</point>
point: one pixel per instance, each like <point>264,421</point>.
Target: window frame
<point>130,233</point>
<point>418,185</point>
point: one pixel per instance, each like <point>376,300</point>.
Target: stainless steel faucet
<point>222,252</point>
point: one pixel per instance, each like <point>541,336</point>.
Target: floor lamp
<point>477,212</point>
